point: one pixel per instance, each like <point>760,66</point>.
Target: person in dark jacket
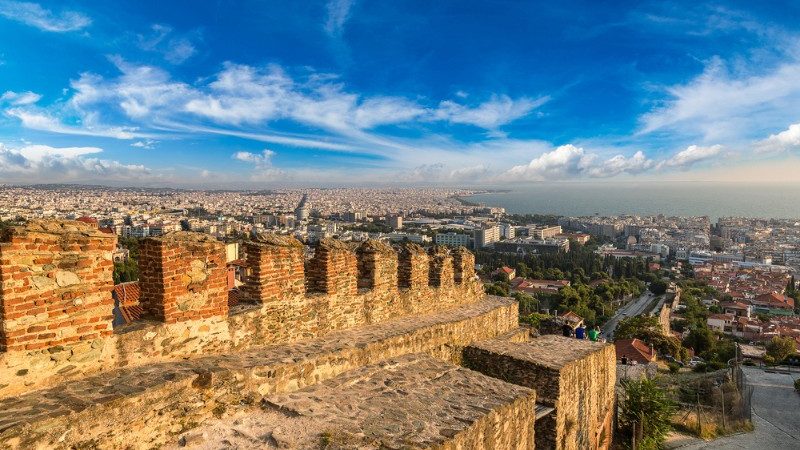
<point>566,330</point>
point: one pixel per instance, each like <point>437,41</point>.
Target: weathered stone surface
<point>414,402</point>
<point>184,393</point>
<point>575,377</point>
<point>55,285</point>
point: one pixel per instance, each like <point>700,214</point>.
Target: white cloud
<point>34,15</point>
<point>693,154</point>
<point>20,98</point>
<point>619,164</point>
<point>786,140</point>
<point>565,161</point>
<point>495,112</point>
<point>569,161</point>
<point>41,163</point>
<point>40,152</point>
<point>176,50</point>
<point>179,50</point>
<point>262,160</point>
<point>719,105</point>
<point>43,122</point>
<point>338,13</point>
<point>147,144</point>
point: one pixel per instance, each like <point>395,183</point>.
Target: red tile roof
<point>775,300</point>
<point>127,293</point>
<point>634,350</point>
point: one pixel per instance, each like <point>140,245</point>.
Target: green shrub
<point>797,384</point>
<point>674,367</point>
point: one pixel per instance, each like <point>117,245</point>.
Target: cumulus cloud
<point>260,160</point>
<point>693,154</point>
<point>569,161</point>
<point>52,164</point>
<point>786,140</point>
<point>565,161</point>
<point>44,19</point>
<point>20,98</point>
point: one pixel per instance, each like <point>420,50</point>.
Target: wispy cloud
<point>44,122</point>
<point>175,48</point>
<point>19,98</point>
<point>495,112</point>
<point>730,100</point>
<point>44,19</point>
<point>338,11</point>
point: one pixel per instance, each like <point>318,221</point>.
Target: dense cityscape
<point>350,224</point>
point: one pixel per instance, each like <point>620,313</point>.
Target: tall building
<point>486,236</point>
<point>303,211</point>
<point>507,231</point>
<point>395,222</point>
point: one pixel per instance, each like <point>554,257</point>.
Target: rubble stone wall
<point>55,285</point>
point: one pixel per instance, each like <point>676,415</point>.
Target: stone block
<point>573,376</point>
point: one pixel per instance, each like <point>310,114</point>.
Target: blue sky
<point>462,92</point>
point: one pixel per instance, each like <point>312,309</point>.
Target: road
<point>633,308</point>
<point>775,415</point>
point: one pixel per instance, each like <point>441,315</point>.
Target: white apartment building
<point>486,236</point>
<point>452,239</point>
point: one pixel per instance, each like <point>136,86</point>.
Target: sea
<point>715,200</point>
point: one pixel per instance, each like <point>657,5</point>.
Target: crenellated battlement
<point>56,304</point>
<point>346,333</point>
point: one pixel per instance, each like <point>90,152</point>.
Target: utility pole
<point>722,391</point>
<point>699,426</point>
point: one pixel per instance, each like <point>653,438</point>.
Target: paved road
<point>776,415</point>
<point>633,308</point>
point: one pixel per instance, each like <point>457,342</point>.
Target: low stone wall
<point>143,406</point>
<point>574,377</point>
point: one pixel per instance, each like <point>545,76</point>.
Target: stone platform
<point>574,377</point>
<point>110,410</point>
<point>413,401</point>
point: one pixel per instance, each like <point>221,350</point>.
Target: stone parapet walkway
<point>143,407</point>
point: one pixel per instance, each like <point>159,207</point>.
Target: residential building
<point>453,239</point>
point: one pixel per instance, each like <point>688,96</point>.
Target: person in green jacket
<point>594,333</point>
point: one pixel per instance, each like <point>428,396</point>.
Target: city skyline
<point>348,92</point>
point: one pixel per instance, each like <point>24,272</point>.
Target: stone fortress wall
<point>365,311</point>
